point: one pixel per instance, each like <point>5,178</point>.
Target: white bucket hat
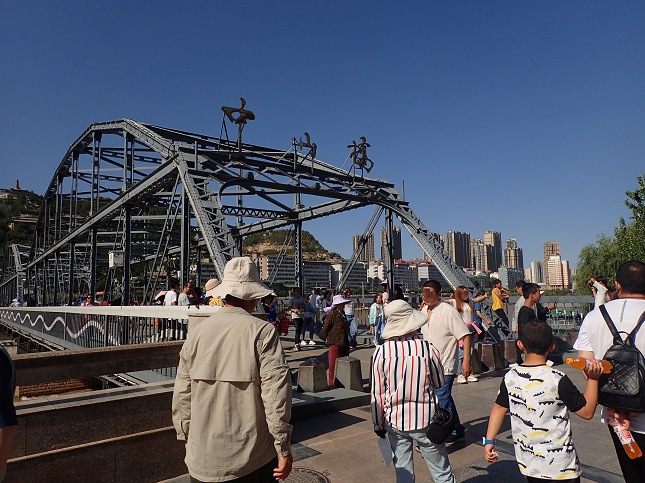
<point>241,280</point>
<point>210,286</point>
<point>339,299</point>
<point>402,319</point>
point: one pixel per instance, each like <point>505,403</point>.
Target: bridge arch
<point>131,202</point>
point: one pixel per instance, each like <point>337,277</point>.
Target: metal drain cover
<point>305,475</point>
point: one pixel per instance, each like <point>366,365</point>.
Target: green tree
<point>631,237</point>
<point>598,260</point>
<point>628,243</point>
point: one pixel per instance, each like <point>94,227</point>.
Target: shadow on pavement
<point>324,424</point>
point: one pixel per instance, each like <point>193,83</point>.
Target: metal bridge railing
<point>91,327</point>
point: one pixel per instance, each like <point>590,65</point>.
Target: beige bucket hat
<point>241,280</point>
<point>402,319</point>
<point>210,286</point>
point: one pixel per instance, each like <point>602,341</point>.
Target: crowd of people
<point>232,396</point>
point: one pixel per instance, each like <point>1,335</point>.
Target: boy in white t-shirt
<point>539,399</point>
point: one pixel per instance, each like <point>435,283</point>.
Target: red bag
<point>283,325</point>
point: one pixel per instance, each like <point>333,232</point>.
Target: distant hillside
<point>270,243</point>
<point>22,233</point>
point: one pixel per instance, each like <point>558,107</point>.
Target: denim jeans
<point>309,323</point>
<point>435,456</point>
<point>378,331</point>
<point>460,357</point>
<point>444,394</point>
<point>353,329</point>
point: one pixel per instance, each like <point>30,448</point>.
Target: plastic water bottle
<point>583,362</point>
<point>625,436</point>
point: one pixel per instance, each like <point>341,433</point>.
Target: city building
<point>396,242</point>
<point>405,273</point>
<point>550,248</point>
<point>367,253</point>
<point>457,245</point>
<point>509,276</point>
<point>528,277</point>
<point>559,274</point>
<point>316,274</point>
<point>267,265</point>
<point>428,271</point>
<point>478,257</point>
<point>357,278</point>
<point>513,257</point>
<point>494,240</point>
<point>537,272</point>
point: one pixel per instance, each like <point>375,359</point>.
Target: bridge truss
<point>164,199</point>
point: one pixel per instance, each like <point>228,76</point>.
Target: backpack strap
<point>614,332</point>
<point>641,319</point>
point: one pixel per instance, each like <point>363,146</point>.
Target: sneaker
<point>461,379</point>
<point>296,347</point>
<point>453,438</point>
<point>472,378</point>
<point>311,342</point>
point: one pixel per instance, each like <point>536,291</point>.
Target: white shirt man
<point>595,338</point>
<point>444,330</point>
<point>171,296</point>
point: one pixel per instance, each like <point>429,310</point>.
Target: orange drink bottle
<point>625,436</point>
<point>582,362</point>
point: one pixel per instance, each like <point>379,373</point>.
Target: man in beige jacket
<point>232,397</point>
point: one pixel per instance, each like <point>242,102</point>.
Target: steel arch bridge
<point>160,198</point>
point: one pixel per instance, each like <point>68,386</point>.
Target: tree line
<point>628,243</point>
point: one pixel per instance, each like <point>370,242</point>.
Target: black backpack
<point>624,387</point>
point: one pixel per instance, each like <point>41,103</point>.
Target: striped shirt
<point>404,372</point>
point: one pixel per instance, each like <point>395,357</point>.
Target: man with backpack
<point>596,341</point>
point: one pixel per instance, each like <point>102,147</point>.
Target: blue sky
<point>520,117</point>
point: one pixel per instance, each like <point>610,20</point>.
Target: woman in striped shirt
<point>405,371</point>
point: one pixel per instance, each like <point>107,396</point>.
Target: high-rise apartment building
<point>527,275</point>
<point>494,239</point>
<point>550,248</point>
<point>513,257</point>
<point>457,244</point>
<point>396,242</point>
<point>478,258</point>
<point>559,272</point>
<point>537,272</point>
<point>367,253</point>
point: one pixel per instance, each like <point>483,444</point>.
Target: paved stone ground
<point>343,448</point>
